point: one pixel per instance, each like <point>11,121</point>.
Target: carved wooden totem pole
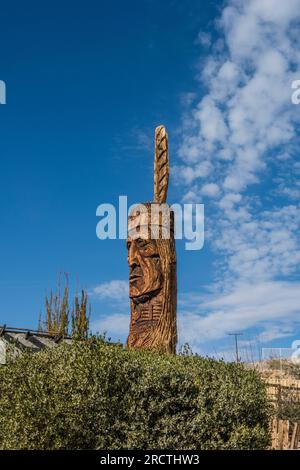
<point>152,263</point>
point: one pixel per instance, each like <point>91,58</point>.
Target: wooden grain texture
<point>276,387</point>
<point>152,266</point>
<point>295,436</point>
<point>161,165</point>
<point>285,435</point>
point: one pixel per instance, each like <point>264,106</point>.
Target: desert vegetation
<point>61,316</point>
<point>286,399</point>
<point>94,395</point>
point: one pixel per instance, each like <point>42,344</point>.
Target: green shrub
<point>91,395</point>
<point>289,406</point>
<point>286,366</point>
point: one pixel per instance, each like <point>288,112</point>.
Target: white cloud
<point>210,190</point>
<point>263,246</point>
<point>247,111</point>
<point>228,201</point>
<point>275,332</point>
<point>241,132</point>
<point>188,173</point>
<point>247,129</point>
<point>112,293</point>
<point>211,121</point>
<point>204,39</point>
<point>247,305</point>
<point>115,289</point>
<point>115,325</point>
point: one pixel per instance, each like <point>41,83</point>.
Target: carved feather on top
<point>161,165</point>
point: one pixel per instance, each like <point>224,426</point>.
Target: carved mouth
<point>135,274</point>
<point>134,277</point>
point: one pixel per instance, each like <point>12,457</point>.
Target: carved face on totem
<point>145,278</point>
<point>152,262</point>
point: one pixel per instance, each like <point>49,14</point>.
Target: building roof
<point>24,339</point>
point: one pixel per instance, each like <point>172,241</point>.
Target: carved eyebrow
<point>142,242</point>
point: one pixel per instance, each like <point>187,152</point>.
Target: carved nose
<point>132,256</point>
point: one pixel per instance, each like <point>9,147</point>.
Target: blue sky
<point>87,83</point>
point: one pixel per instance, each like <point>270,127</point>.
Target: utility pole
<point>236,344</point>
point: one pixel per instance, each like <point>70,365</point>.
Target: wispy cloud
<point>247,111</point>
<point>272,306</point>
<point>115,325</point>
<point>244,131</point>
<point>115,290</point>
<point>111,296</point>
<point>261,245</point>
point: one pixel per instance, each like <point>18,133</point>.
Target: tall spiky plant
<point>57,315</point>
<point>57,309</point>
<point>81,316</point>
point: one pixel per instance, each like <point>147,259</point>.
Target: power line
<point>236,344</point>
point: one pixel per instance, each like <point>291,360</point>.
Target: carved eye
<point>141,243</point>
<point>128,244</point>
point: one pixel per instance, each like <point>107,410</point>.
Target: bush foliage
<point>289,406</point>
<point>91,395</point>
